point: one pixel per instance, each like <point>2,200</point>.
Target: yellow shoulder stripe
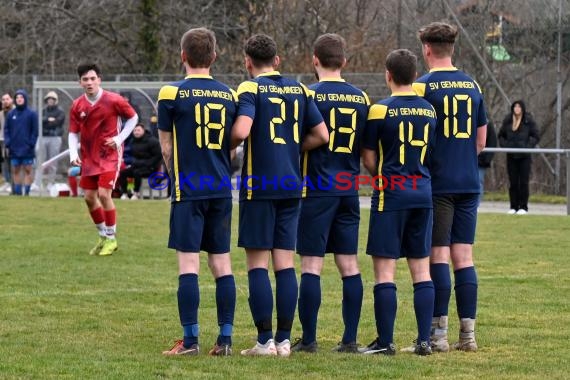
<point>247,86</point>
<point>168,92</point>
<point>377,112</point>
<point>234,94</point>
<point>479,87</point>
<point>367,98</point>
<point>419,88</point>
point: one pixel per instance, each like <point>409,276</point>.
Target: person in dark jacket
<point>518,131</point>
<point>146,155</point>
<point>484,159</point>
<point>20,136</point>
<point>53,118</point>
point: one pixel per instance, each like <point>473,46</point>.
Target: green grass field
<point>66,315</point>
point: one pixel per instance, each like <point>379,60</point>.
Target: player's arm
<point>481,138</point>
<point>116,141</point>
<point>240,130</point>
<point>73,143</point>
<point>369,158</point>
<point>166,145</point>
<point>73,138</point>
<point>319,133</point>
<point>317,136</point>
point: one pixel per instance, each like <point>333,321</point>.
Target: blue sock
<point>309,303</point>
<point>226,306</point>
<point>442,284</point>
<point>466,292</point>
<point>385,306</point>
<point>27,189</point>
<point>351,306</point>
<point>17,189</point>
<point>188,302</point>
<point>423,305</point>
<point>286,293</point>
<point>261,303</point>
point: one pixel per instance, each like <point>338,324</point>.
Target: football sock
<point>351,306</point>
<point>27,189</point>
<point>309,303</point>
<point>261,303</point>
<point>98,217</point>
<point>72,182</point>
<point>466,292</point>
<point>226,305</point>
<point>442,284</point>
<point>385,306</point>
<point>188,302</point>
<point>423,306</point>
<point>17,189</point>
<point>286,293</point>
<point>110,223</point>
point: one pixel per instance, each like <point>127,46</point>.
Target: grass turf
<point>64,314</point>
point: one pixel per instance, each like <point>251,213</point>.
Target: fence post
<point>568,182</point>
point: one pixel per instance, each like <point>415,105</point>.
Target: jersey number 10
<point>451,117</point>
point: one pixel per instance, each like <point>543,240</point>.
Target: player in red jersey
<point>95,122</point>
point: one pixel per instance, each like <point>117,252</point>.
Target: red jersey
<point>95,123</point>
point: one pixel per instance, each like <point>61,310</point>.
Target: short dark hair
<point>440,36</point>
<point>199,45</point>
<point>402,65</point>
<point>83,68</point>
<point>261,48</point>
<point>330,50</point>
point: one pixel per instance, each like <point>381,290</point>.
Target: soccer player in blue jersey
<point>278,119</point>
<point>460,136</point>
<point>330,210</point>
<point>195,116</point>
<point>397,143</point>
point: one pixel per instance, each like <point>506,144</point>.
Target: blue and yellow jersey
<point>401,129</point>
<point>344,109</point>
<point>458,101</point>
<point>282,111</point>
<point>199,112</point>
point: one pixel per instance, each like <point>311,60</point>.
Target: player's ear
<point>388,77</point>
<point>276,61</point>
<point>343,63</point>
<point>316,61</point>
<point>183,56</point>
<point>214,58</point>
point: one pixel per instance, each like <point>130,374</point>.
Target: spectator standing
<point>20,136</point>
<point>7,106</point>
<point>518,131</point>
<point>53,118</point>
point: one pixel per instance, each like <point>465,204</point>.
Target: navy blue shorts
<point>19,161</point>
<point>402,233</point>
<point>268,223</point>
<point>201,225</point>
<point>328,224</point>
<point>454,219</point>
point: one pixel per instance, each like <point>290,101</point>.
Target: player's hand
<point>76,162</point>
<point>110,142</point>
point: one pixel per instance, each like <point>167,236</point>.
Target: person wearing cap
<point>53,118</point>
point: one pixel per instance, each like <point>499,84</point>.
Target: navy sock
<point>226,305</point>
<point>351,306</point>
<point>18,189</point>
<point>466,292</point>
<point>27,189</point>
<point>442,284</point>
<point>188,302</point>
<point>385,306</point>
<point>423,305</point>
<point>261,303</point>
<point>309,303</point>
<point>286,293</point>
